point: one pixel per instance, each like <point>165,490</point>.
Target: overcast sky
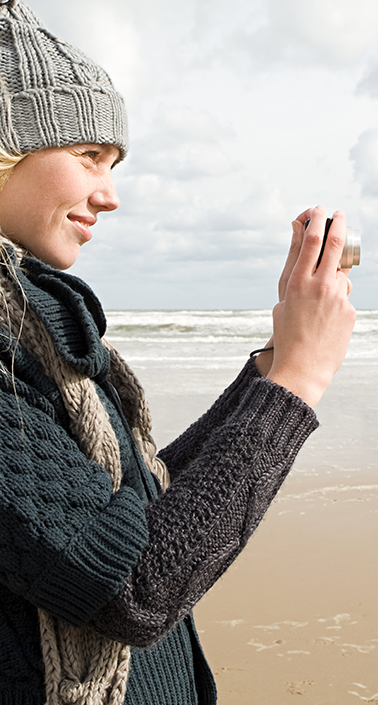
<point>241,115</point>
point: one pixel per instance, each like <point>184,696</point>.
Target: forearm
<point>202,522</point>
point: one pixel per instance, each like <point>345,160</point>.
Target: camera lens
<point>351,253</point>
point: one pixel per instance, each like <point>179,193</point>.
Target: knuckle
<point>298,283</point>
<point>314,239</point>
<point>324,290</point>
<point>336,242</point>
<point>295,245</point>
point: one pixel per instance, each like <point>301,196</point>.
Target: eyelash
<point>92,154</point>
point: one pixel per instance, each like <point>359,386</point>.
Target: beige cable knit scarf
<point>82,667</point>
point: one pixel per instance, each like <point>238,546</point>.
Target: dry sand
<point>295,619</point>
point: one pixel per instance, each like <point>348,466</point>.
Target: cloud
<point>369,82</point>
<point>189,161</point>
<point>152,45</point>
<point>180,122</point>
<point>364,156</point>
<point>176,222</point>
<point>333,31</point>
<point>183,144</point>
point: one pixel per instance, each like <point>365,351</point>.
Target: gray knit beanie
<point>51,94</point>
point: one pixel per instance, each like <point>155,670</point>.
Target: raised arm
<point>204,519</point>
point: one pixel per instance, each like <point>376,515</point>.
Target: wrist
<point>264,362</point>
<point>310,391</point>
<point>264,359</point>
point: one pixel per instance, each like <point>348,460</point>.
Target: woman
<point>101,562</point>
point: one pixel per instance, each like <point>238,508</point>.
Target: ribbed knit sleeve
<point>67,543</point>
<point>202,522</point>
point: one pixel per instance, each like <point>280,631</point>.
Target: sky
<point>241,115</point>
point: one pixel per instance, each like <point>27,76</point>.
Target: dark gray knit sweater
<point>132,564</point>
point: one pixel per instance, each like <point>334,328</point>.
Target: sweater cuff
<point>278,417</point>
<point>93,567</point>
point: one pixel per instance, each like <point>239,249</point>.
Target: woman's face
<point>53,197</point>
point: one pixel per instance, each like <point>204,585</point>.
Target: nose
<point>105,197</point>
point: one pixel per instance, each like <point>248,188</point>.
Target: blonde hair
<point>7,164</point>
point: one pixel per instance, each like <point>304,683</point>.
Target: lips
<point>82,223</point>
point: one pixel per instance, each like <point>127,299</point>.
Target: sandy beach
<point>296,617</point>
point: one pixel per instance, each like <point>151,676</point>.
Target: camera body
<point>351,254</point>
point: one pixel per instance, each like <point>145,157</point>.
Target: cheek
<point>39,195</point>
<point>51,202</point>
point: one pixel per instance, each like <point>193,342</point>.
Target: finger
<point>306,215</point>
<point>312,240</point>
<point>334,245</point>
<point>295,248</point>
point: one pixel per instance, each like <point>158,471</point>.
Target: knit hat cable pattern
<point>81,666</point>
<point>51,94</point>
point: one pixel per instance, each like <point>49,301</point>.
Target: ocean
<point>210,340</point>
<point>185,359</point>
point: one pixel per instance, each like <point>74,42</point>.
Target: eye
<point>92,154</point>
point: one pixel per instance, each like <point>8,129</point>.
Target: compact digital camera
<point>351,254</point>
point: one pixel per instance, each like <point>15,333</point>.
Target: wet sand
<point>295,619</point>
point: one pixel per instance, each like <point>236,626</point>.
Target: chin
<point>61,261</point>
<point>63,266</point>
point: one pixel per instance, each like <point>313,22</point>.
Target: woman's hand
<point>314,320</point>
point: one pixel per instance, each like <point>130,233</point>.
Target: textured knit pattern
<point>80,666</point>
<point>137,412</point>
<point>133,562</point>
<point>204,519</point>
<point>51,94</point>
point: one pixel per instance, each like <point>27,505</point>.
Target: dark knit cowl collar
<point>71,313</point>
